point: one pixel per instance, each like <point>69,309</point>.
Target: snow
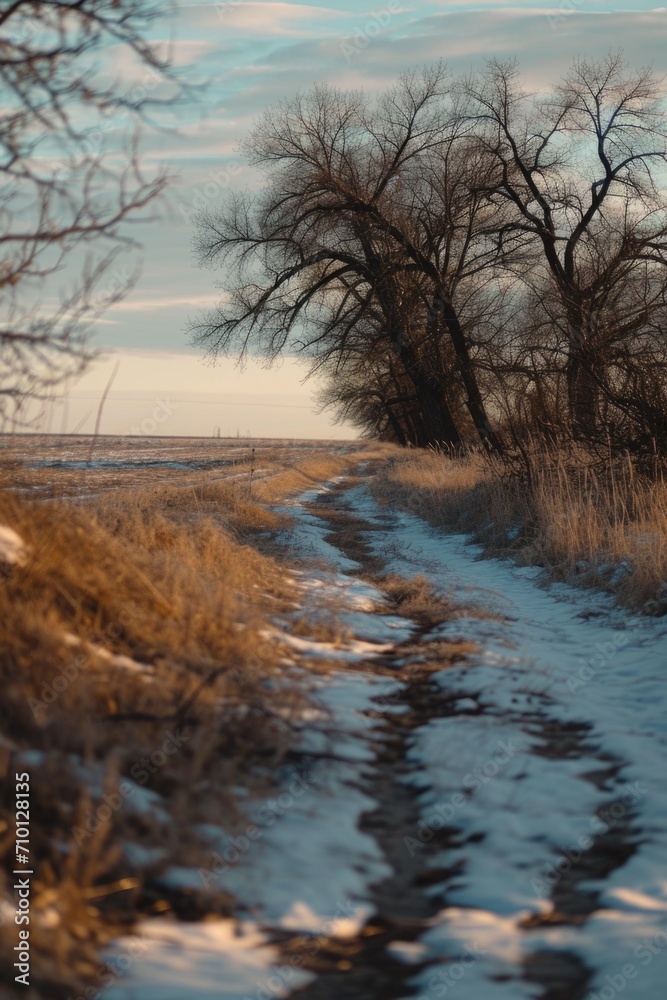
<point>302,864</point>
<point>302,918</point>
<point>306,535</point>
<point>350,652</point>
<point>140,856</point>
<point>305,867</point>
<point>542,661</point>
<point>170,961</point>
<point>13,551</point>
<point>409,952</point>
<point>365,612</point>
<point>521,793</point>
<point>111,659</point>
<point>308,860</point>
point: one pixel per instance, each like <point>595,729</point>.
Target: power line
<point>208,402</point>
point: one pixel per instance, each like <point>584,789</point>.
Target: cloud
<point>257,53</point>
<point>255,17</point>
<point>159,301</point>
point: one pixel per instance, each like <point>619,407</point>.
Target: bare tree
<point>313,271</point>
<point>486,256</point>
<point>358,234</point>
<point>580,170</point>
<point>63,203</point>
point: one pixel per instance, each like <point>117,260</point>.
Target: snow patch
<point>13,550</point>
<point>352,651</point>
<point>218,958</point>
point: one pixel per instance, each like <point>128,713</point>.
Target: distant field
<point>47,467</point>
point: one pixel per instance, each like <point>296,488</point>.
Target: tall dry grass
<point>587,521</point>
<point>138,612</point>
<point>171,600</point>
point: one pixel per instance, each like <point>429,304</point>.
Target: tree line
<point>465,262</point>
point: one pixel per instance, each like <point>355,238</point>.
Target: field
<point>135,613</point>
<point>289,731</point>
<point>74,468</point>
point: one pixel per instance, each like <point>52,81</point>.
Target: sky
<point>251,54</point>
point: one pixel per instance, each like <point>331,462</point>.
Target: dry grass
<point>416,598</point>
<point>187,603</point>
<point>602,526</point>
<point>162,575</point>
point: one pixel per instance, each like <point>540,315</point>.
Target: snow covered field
<point>558,655</point>
<point>538,839</point>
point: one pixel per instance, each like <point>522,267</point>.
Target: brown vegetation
<point>601,524</point>
<point>139,615</point>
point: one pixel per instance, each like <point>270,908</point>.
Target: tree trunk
<point>396,426</point>
<point>435,417</point>
<point>474,402</point>
<point>583,394</point>
<point>437,425</point>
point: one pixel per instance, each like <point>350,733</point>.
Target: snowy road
<point>489,830</point>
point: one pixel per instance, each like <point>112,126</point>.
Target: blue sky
<point>253,53</point>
